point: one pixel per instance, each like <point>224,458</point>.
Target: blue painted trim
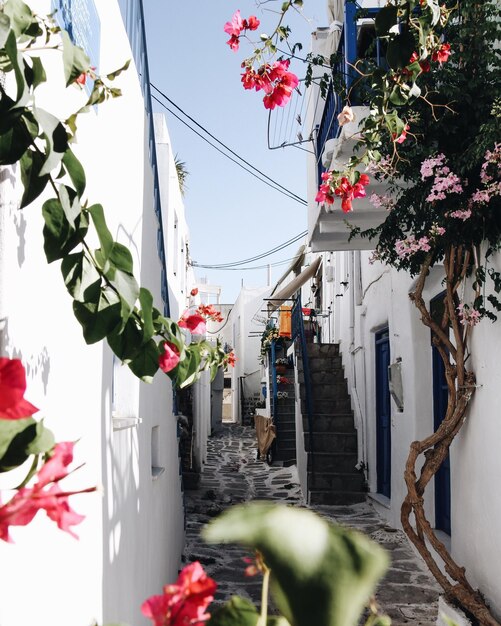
<point>133,16</point>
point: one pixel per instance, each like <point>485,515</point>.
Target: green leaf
<point>121,258</point>
<point>127,342</point>
<point>100,318</point>
<point>20,15</point>
<point>75,171</point>
<point>59,237</point>
<point>400,49</point>
<point>15,437</point>
<point>322,574</point>
<point>187,371</point>
<point>43,442</point>
<point>236,611</point>
<point>116,73</point>
<point>81,278</point>
<point>385,19</point>
<point>146,301</point>
<point>14,142</point>
<point>17,62</point>
<point>75,61</point>
<point>70,203</point>
<point>145,364</point>
<point>31,164</point>
<point>39,75</point>
<point>105,239</point>
<point>4,28</point>
<point>9,429</point>
<point>127,287</point>
<point>56,139</point>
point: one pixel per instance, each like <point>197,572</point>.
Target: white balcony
<point>329,227</point>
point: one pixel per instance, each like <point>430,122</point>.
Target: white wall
<point>132,537</point>
<point>475,461</point>
<point>245,318</point>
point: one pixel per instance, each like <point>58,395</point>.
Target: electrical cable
<point>253,267</point>
<point>278,186</point>
<point>288,195</point>
<point>281,246</point>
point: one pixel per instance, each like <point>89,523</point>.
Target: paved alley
<point>234,475</point>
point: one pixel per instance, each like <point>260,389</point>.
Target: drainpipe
<point>355,299</point>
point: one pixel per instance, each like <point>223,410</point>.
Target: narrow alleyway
<point>234,475</point>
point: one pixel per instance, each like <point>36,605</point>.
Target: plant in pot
<point>281,365</point>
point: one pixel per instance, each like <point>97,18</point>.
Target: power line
<point>274,184</point>
<point>281,246</point>
<point>253,267</point>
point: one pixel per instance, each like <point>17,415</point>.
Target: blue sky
<point>231,215</point>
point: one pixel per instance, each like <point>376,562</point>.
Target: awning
<point>295,284</point>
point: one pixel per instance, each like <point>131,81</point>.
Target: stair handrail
<point>274,384</point>
<point>297,332</point>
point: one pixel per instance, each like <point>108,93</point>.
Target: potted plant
<point>281,365</point>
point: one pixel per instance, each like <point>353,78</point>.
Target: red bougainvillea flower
<point>231,359</point>
<point>425,64</point>
<point>168,360</point>
<point>194,322</point>
<point>348,192</point>
<point>82,79</point>
<point>184,603</point>
<point>194,292</point>
<point>46,494</point>
<point>280,86</point>
<point>442,54</point>
<point>209,312</point>
<point>13,406</point>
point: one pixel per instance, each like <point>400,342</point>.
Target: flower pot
<point>281,369</point>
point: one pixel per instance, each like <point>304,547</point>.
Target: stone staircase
<point>285,447</point>
<point>332,476</point>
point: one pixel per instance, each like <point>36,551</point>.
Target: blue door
<point>440,399</point>
<point>383,414</point>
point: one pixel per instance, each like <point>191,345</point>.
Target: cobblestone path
<point>233,475</point>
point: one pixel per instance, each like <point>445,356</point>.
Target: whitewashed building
<point>372,319</point>
<point>133,533</point>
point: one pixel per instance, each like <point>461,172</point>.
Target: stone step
<point>339,462</point>
<point>329,390</point>
<point>323,349</point>
<point>332,442</point>
<point>322,405</point>
<point>335,497</point>
<point>336,481</point>
<point>325,377</point>
<point>331,422</point>
<point>322,363</point>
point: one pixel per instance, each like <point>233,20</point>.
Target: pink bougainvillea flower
<point>46,494</point>
<point>403,136</point>
<point>346,116</point>
<point>236,26</point>
<point>168,360</point>
<point>56,467</point>
<point>194,322</point>
<point>442,54</point>
<point>13,406</point>
<point>183,603</point>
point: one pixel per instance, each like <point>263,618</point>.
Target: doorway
<point>383,414</point>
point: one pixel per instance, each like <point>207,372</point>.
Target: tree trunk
<point>461,386</point>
